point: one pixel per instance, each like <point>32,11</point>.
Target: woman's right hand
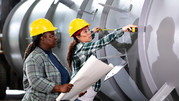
<point>62,88</point>
<point>95,29</point>
<point>65,88</point>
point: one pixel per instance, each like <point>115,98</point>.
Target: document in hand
<point>91,72</point>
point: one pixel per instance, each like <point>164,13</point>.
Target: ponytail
<point>71,51</point>
<point>35,42</point>
<point>29,49</point>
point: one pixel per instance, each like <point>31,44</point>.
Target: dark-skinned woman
<point>44,77</point>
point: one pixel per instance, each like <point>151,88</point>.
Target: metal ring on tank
<point>102,52</point>
<point>141,47</point>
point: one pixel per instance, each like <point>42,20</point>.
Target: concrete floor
<point>17,95</point>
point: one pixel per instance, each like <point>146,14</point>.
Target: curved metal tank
<point>131,83</point>
<point>158,48</point>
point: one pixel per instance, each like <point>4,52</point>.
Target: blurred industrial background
<point>8,78</point>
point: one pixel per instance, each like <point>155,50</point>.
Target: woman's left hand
<point>128,27</point>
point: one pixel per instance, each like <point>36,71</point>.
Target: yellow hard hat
<point>41,26</point>
<point>76,25</point>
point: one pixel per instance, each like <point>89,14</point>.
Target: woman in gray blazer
<point>44,77</point>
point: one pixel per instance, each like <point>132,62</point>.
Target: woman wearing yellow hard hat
<point>44,77</point>
<point>82,47</point>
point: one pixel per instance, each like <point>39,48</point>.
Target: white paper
<point>91,72</point>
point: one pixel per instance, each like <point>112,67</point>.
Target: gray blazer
<point>39,77</point>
